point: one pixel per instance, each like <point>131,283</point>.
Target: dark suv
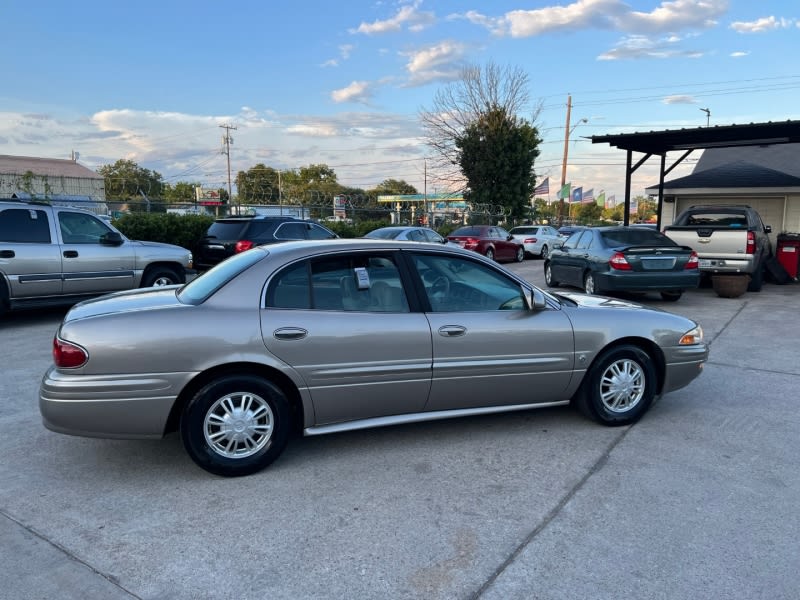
<point>232,235</point>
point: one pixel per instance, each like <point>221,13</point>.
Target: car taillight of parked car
<point>530,241</point>
<point>751,243</point>
<point>243,245</point>
<point>619,262</point>
<point>471,243</point>
<point>67,355</point>
<point>693,262</point>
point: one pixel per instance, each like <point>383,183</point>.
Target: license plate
<point>704,262</point>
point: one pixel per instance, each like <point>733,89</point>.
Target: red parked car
<point>491,241</point>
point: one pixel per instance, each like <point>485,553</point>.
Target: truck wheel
<point>756,280</point>
<point>4,300</point>
<point>160,276</point>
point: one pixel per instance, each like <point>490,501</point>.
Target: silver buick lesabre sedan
<point>347,335</point>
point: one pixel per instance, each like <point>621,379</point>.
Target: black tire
<point>520,255</point>
<point>160,276</point>
<point>4,298</point>
<point>489,253</point>
<point>545,252</point>
<point>756,280</point>
<point>671,296</point>
<point>548,276</point>
<point>250,405</point>
<point>631,371</point>
<point>589,284</point>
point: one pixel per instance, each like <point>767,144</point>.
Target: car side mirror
<point>767,228</point>
<point>112,238</point>
<point>509,238</point>
<point>534,298</point>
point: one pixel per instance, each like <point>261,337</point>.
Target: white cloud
<point>357,91</point>
<point>345,50</point>
<point>679,99</point>
<point>761,25</point>
<point>441,61</point>
<point>640,46</point>
<point>614,15</point>
<point>408,15</point>
<point>739,54</point>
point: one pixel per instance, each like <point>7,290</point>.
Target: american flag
<point>588,195</point>
<point>543,188</point>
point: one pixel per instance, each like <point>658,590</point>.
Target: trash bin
<point>788,252</point>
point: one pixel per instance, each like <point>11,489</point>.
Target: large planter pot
<point>730,286</point>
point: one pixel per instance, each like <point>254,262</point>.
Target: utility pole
<point>228,140</point>
<point>564,165</point>
<point>708,115</point>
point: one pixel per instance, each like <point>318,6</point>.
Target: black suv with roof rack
<point>231,235</point>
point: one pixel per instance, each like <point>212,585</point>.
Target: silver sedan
<point>355,334</point>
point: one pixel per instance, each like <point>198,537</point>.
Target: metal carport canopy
<point>687,140</point>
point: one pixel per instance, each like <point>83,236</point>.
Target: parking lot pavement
<point>696,500</point>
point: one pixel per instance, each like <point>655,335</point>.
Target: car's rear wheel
<point>160,276</point>
<point>520,256</point>
<point>548,276</point>
<point>545,252</point>
<point>489,253</point>
<point>589,285</point>
<point>619,386</point>
<point>671,296</point>
<point>756,280</point>
<point>236,425</point>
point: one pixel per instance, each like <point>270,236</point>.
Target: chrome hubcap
<point>238,425</point>
<point>162,281</point>
<point>622,386</point>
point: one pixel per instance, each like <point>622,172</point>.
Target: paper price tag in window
<point>362,278</point>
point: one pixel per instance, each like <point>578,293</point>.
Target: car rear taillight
<point>751,243</point>
<point>67,355</point>
<point>693,262</point>
<point>243,245</point>
<point>619,262</point>
<point>530,240</point>
<point>471,243</point>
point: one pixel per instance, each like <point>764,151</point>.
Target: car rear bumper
<point>115,406</point>
<point>627,281</point>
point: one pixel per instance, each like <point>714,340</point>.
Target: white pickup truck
<point>727,238</point>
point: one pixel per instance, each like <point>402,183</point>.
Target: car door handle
<point>452,330</point>
<point>290,333</point>
<point>7,254</point>
<point>70,254</point>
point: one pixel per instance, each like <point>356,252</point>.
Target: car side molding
<point>422,417</point>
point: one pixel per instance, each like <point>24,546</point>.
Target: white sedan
<point>538,240</point>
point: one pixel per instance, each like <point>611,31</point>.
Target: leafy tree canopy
<point>126,180</point>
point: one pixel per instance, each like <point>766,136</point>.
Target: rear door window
<point>29,226</point>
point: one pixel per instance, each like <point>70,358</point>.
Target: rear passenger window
<point>24,225</point>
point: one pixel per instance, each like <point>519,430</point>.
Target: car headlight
<point>694,336</point>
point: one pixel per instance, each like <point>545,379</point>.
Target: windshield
<point>197,291</point>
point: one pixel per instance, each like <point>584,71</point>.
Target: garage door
<point>770,209</point>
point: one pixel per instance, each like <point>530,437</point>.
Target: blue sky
<point>343,83</point>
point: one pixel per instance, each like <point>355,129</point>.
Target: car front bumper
<point>109,406</point>
<point>683,364</point>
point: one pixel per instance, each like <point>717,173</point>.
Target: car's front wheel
<point>236,425</point>
<point>619,387</point>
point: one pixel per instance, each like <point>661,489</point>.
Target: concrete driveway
<point>698,500</point>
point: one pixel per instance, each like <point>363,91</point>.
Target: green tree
<point>496,154</point>
<point>588,213</point>
<point>393,187</point>
<point>125,180</point>
<point>257,185</point>
<point>181,191</point>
